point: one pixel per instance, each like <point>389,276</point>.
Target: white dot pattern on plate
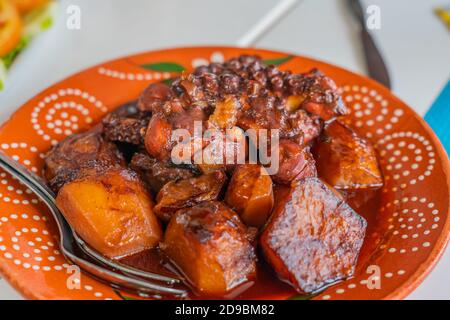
<point>407,157</point>
<point>31,246</point>
<point>15,192</point>
<point>216,57</point>
<point>364,283</point>
<point>370,109</point>
<point>58,123</point>
<point>133,76</point>
<point>38,255</point>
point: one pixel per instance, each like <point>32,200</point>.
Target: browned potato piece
<point>313,238</point>
<point>180,194</point>
<point>111,212</point>
<point>345,160</point>
<point>250,194</point>
<point>295,163</point>
<point>78,154</point>
<point>210,245</point>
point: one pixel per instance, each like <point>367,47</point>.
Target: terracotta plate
<point>408,230</point>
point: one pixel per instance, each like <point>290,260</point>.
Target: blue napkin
<point>438,117</point>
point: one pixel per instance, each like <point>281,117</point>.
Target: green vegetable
<point>11,56</point>
<point>39,20</point>
<point>164,67</point>
<point>2,74</point>
<point>277,61</point>
<point>168,81</point>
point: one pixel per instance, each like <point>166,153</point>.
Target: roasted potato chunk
<point>313,238</point>
<point>78,155</point>
<point>345,160</point>
<point>112,212</point>
<point>210,245</point>
<point>250,194</point>
<point>295,163</point>
<point>185,193</point>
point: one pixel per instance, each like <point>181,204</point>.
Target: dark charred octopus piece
<point>157,173</point>
<point>121,184</point>
<point>176,195</point>
<point>243,92</point>
<point>124,129</point>
<point>80,155</point>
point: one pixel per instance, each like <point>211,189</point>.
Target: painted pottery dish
<point>408,224</point>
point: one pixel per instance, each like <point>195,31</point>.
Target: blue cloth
<point>438,117</point>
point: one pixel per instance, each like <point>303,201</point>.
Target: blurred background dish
<point>20,22</point>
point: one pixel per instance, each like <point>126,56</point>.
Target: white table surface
<point>416,47</point>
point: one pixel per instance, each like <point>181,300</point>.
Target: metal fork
<point>111,272</point>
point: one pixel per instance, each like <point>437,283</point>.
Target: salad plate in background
<point>20,22</point>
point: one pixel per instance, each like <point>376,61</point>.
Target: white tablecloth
<point>415,43</point>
